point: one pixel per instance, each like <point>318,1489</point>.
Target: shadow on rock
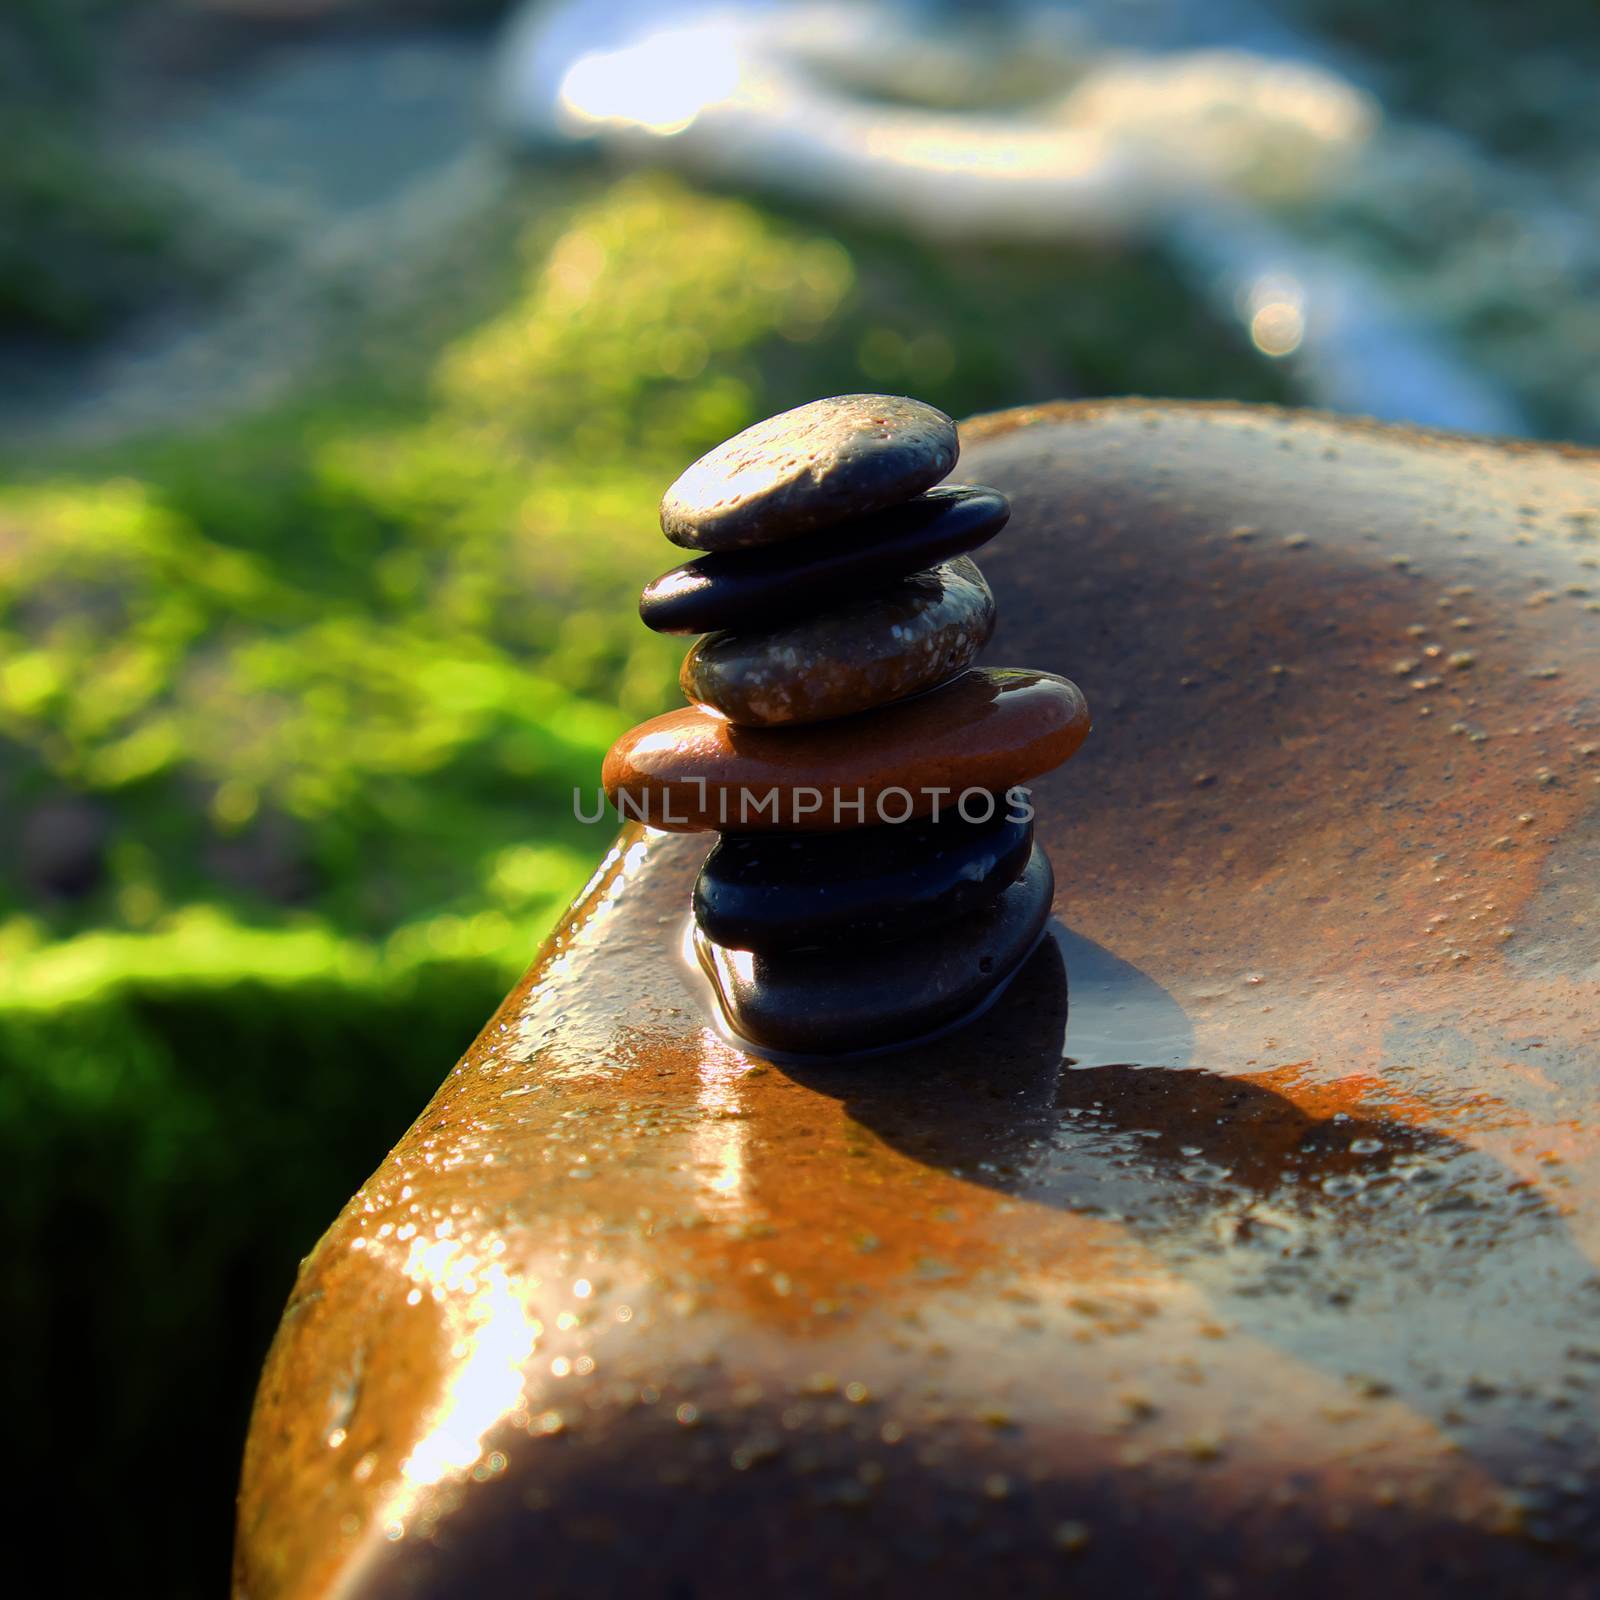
<point>1318,1216</point>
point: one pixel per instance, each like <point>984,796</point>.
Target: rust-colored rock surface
<point>1248,1246</point>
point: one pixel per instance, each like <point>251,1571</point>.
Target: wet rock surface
<point>912,635</point>
<point>1268,1267</point>
<point>804,469</point>
<point>756,588</point>
<point>801,891</point>
<point>989,729</point>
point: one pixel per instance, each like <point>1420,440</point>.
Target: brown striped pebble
<point>692,770</point>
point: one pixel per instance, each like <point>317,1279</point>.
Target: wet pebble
<point>989,729</point>
<point>780,891</point>
<point>897,641</point>
<point>758,588</point>
<point>808,468</point>
<point>829,1002</point>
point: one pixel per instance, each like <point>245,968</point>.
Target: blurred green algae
<point>294,703</point>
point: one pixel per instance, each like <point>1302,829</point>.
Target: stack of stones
<point>876,877</point>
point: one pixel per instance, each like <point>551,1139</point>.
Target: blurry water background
<point>345,347</point>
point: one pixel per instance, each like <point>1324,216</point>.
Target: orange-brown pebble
<point>692,770</point>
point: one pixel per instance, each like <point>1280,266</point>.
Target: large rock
<point>1271,1266</point>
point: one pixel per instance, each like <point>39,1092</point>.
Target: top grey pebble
<point>807,468</point>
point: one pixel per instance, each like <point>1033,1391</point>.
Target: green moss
<point>342,655</point>
<point>179,1117</point>
<point>329,676</point>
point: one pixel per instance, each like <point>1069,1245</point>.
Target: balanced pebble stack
<point>876,877</point>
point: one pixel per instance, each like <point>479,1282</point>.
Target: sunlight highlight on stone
<point>498,1336</point>
<point>719,1138</point>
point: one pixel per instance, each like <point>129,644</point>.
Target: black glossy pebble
<point>745,589</point>
<point>808,468</point>
<point>835,1002</point>
<point>787,891</point>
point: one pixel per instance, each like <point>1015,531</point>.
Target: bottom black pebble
<point>844,1000</point>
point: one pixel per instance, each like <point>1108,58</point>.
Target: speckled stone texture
<point>909,636</point>
<point>1266,1267</point>
<point>991,728</point>
<point>796,891</point>
<point>757,588</point>
<point>804,469</point>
